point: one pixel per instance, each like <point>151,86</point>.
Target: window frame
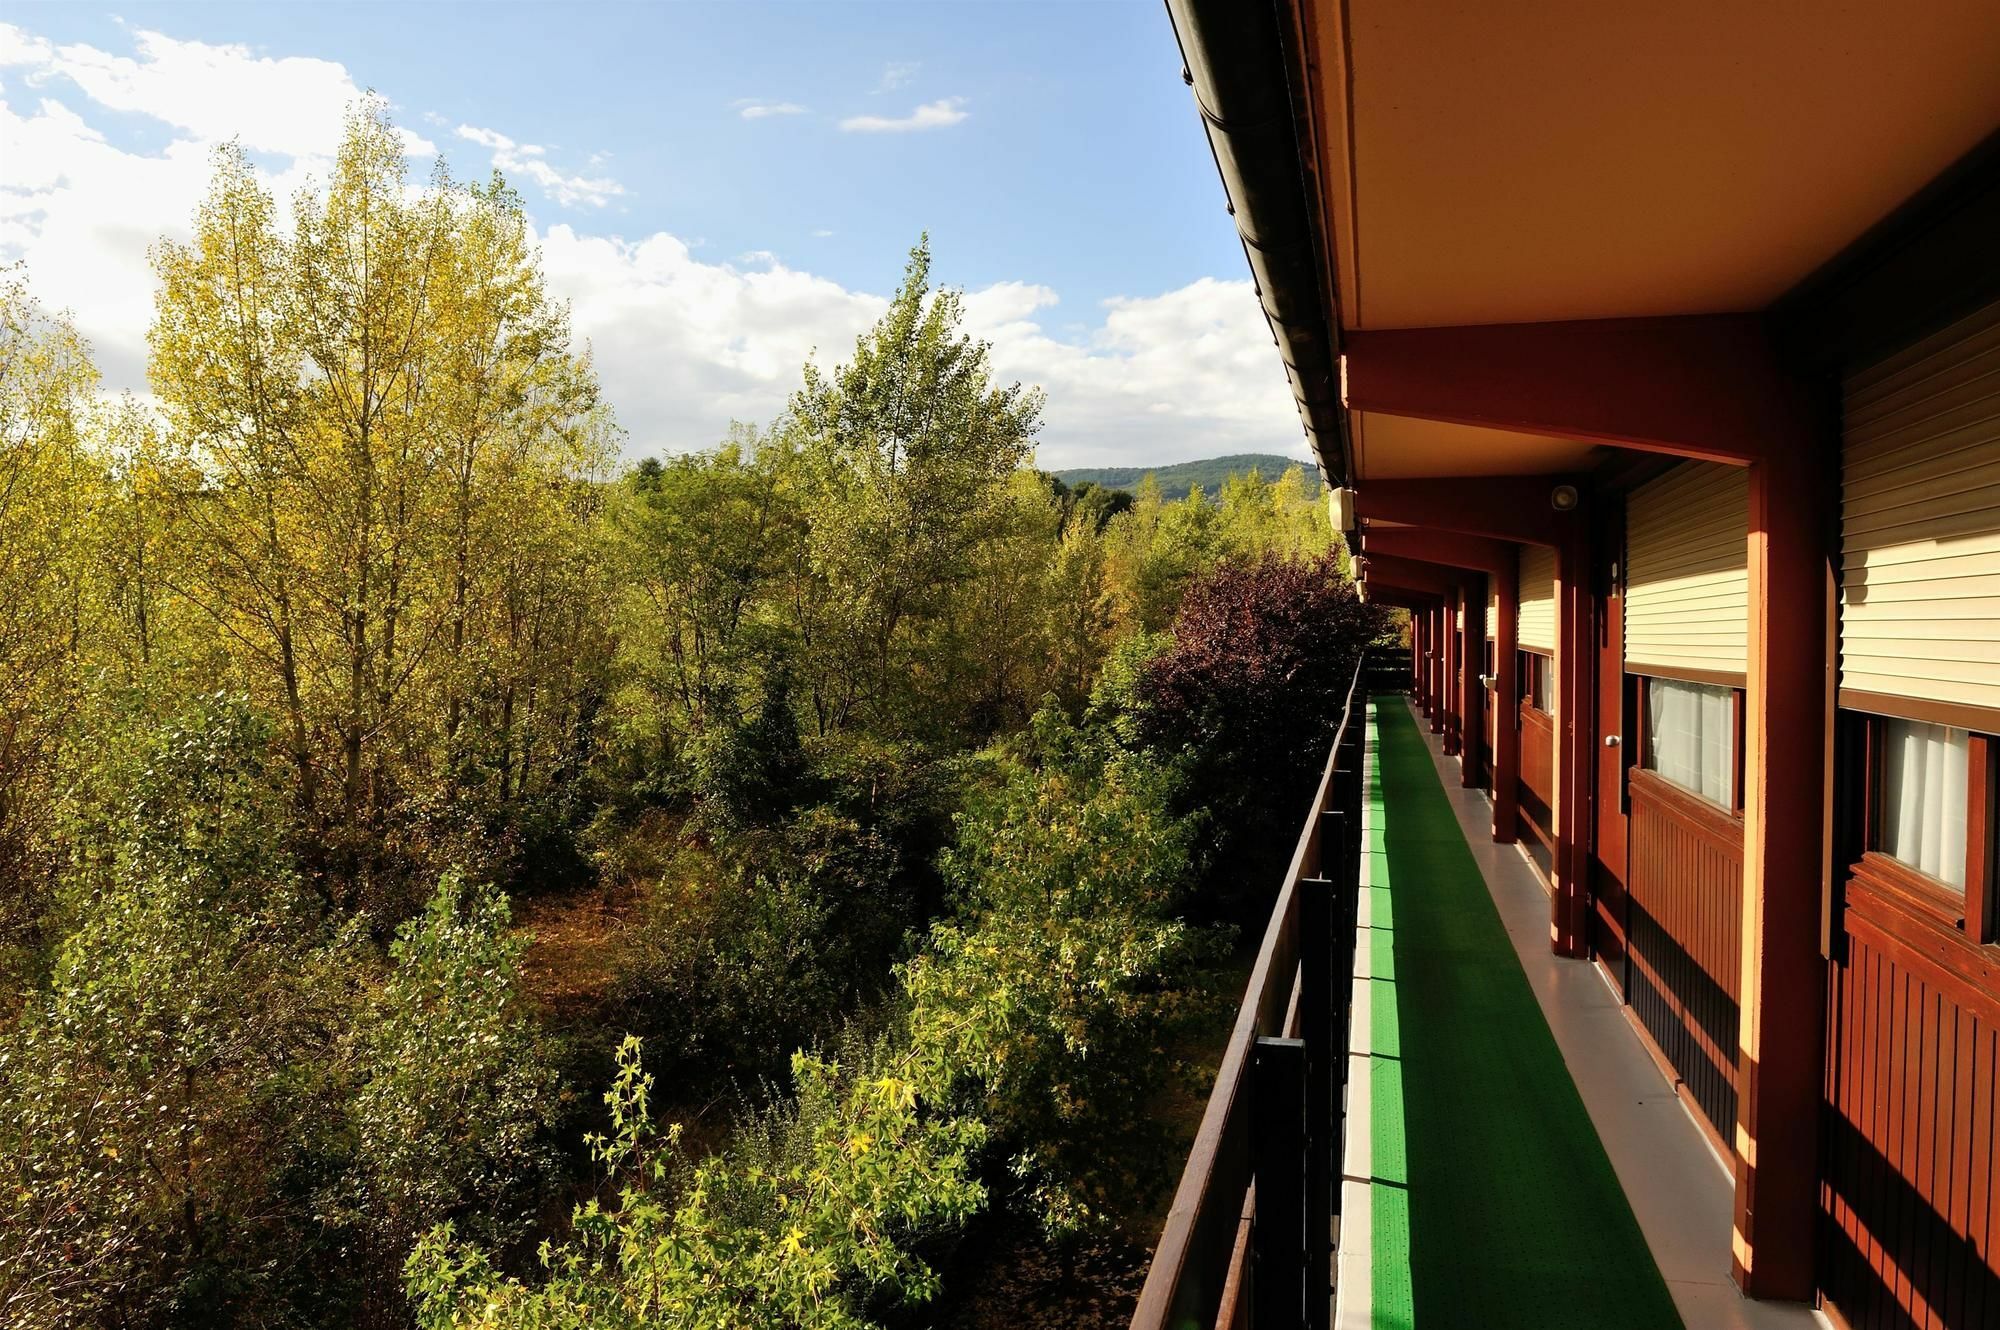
<point>1973,908</point>
<point>1531,670</point>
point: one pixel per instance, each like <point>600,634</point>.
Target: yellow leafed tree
<point>381,449</point>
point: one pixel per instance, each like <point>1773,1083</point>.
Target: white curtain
<point>1691,737</point>
<point>1923,797</point>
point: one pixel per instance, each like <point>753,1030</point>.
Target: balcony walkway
<point>1480,1189</point>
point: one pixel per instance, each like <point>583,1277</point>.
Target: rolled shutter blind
<point>1537,630</point>
<point>1920,521</point>
<point>1492,603</point>
<point>1687,579</point>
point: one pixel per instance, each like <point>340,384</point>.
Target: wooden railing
<point>1248,1241</point>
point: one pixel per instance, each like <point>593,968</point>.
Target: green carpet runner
<point>1494,1204</point>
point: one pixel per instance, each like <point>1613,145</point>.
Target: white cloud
<point>940,114</point>
<point>821,234</point>
<point>204,89</point>
<point>750,108</point>
<point>895,74</point>
<point>1188,373</point>
<point>531,160</point>
<point>683,346</point>
<point>81,214</point>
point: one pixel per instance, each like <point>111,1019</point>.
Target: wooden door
<point>1608,865</point>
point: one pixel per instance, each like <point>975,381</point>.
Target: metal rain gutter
<point>1233,56</point>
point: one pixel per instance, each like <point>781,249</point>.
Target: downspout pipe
<point>1234,58</point>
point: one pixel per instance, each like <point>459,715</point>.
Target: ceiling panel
<point>1574,159</point>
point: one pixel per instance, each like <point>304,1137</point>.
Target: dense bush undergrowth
<point>935,789</point>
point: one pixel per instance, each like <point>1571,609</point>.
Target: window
<point>1922,808</point>
<point>1690,737</point>
<point>1537,679</point>
<point>1923,800</point>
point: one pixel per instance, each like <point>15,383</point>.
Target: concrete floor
<point>1679,1186</point>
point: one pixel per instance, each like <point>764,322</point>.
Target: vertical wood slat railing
<point>1248,1240</point>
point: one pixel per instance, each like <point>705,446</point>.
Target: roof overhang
<point>1539,161</point>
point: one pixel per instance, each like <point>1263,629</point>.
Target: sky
<point>719,190</point>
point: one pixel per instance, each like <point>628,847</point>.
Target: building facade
<point>1655,354</point>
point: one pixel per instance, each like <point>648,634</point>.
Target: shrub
<point>762,936</point>
<point>164,1099</point>
<point>801,1228</point>
<point>1251,686</point>
<point>455,1087</point>
<point>1049,1003</point>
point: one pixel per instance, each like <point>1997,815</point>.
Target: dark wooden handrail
<point>1216,1242</point>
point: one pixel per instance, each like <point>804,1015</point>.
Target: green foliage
<point>1050,1000</point>
<point>376,478</point>
<point>160,1100</point>
<point>759,940</point>
<point>455,1089</point>
<point>50,489</point>
<point>700,542</point>
<point>903,454</point>
<point>801,1232</point>
<point>268,1021</point>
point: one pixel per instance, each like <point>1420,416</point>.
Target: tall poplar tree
<point>903,452</point>
<point>382,441</point>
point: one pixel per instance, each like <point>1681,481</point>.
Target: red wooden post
<point>1575,754</point>
<point>1785,858</point>
<point>1416,652</point>
<point>1439,633</point>
<point>1454,662</point>
<point>1507,704</point>
<point>1472,605</point>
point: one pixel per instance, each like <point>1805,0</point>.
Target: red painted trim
<point>1901,919</point>
<point>1962,716</point>
<point>1431,579</point>
<point>1984,780</point>
<point>1698,386</point>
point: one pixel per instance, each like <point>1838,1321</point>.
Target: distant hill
<point>1209,473</point>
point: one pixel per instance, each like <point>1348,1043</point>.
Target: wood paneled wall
<point>1685,915</point>
<point>1911,1191</point>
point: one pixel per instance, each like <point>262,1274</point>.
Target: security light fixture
<point>1563,498</point>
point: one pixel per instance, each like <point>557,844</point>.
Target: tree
<point>1080,615</point>
<point>1251,686</point>
<point>380,441</point>
<point>1261,517</point>
<point>699,541</point>
<point>50,487</point>
<point>902,454</point>
<point>990,650</point>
